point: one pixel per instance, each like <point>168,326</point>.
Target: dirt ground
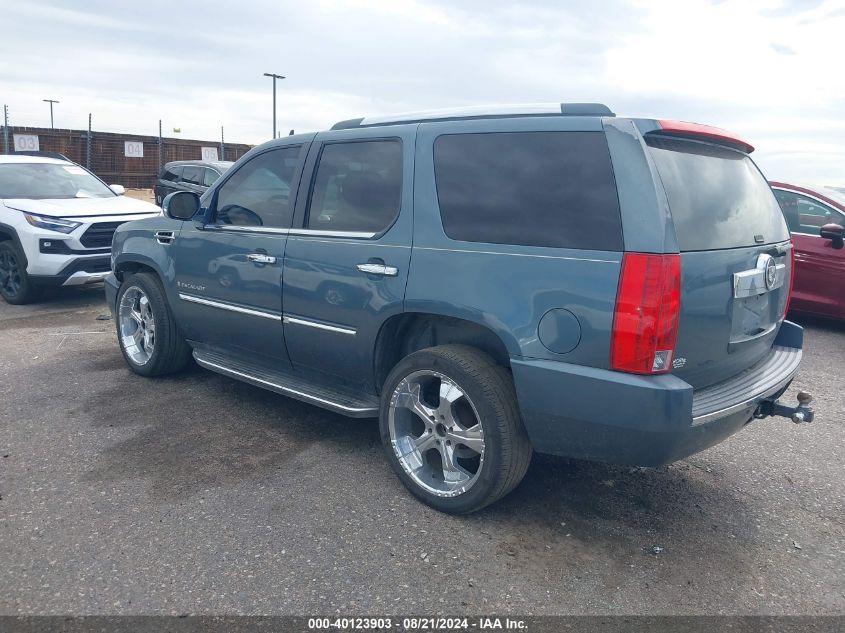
<point>196,493</point>
<point>146,195</point>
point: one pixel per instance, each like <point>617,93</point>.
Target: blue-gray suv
<point>487,282</point>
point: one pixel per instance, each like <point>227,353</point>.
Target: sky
<point>769,70</point>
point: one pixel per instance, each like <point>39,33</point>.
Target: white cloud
<point>769,69</point>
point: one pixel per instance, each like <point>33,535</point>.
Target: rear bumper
<point>608,416</point>
<point>77,272</point>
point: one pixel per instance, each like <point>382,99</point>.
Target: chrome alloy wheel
<point>137,325</point>
<point>436,433</point>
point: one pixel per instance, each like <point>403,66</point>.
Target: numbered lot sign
<point>26,143</point>
<point>133,149</point>
<point>209,153</point>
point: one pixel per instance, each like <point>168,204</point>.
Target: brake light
<point>648,306</point>
<point>791,277</point>
<point>683,128</point>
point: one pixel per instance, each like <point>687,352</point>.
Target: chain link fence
<point>131,160</point>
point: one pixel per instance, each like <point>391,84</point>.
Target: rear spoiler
<point>684,129</point>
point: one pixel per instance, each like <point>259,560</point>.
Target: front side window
<point>45,181</point>
<point>172,173</point>
<point>805,215</point>
<point>358,187</point>
<point>553,189</point>
<point>192,175</point>
<point>258,193</point>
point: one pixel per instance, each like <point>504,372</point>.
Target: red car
<point>816,219</point>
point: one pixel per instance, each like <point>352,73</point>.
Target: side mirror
<point>834,232</point>
<point>118,189</point>
<point>181,205</point>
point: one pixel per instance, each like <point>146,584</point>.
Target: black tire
<point>16,287</point>
<point>490,390</point>
<point>170,351</point>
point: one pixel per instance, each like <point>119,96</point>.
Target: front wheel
<point>15,285</point>
<point>146,331</point>
<point>452,430</point>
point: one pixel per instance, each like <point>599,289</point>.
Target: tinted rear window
<point>717,196</point>
<point>528,188</point>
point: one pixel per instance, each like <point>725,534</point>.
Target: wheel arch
<point>129,265</point>
<point>8,233</point>
<point>408,332</point>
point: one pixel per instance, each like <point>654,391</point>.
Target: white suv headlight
<point>51,224</point>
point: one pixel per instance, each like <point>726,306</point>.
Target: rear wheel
<point>15,285</point>
<point>146,331</point>
<point>451,428</point>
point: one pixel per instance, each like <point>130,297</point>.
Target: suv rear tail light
<point>648,305</point>
<point>791,277</point>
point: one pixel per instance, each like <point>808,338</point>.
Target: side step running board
<point>354,405</point>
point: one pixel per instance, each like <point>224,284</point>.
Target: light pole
<point>51,102</point>
<point>275,77</point>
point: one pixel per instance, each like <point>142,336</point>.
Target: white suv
<point>56,225</point>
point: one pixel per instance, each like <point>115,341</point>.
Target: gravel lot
<point>199,494</point>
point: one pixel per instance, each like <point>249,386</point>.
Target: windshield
<point>42,181</point>
<point>717,196</point>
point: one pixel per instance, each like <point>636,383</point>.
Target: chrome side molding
<point>228,306</point>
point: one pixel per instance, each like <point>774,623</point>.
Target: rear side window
<point>172,173</point>
<point>717,196</point>
<point>192,175</point>
<point>529,188</point>
<point>358,187</point>
<point>209,177</point>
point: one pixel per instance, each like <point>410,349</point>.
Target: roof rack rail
<point>480,112</point>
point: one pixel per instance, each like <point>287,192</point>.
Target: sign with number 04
<point>26,143</point>
<point>133,149</point>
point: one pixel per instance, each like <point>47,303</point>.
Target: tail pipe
<point>801,414</point>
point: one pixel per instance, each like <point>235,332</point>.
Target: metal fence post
<point>5,129</point>
<point>222,145</point>
<point>88,144</point>
<point>159,146</point>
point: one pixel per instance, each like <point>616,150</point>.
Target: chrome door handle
<point>378,269</point>
<point>261,258</point>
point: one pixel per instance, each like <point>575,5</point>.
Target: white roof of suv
<point>23,158</point>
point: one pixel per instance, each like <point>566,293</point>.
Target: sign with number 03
<point>133,149</point>
<point>209,153</point>
<point>26,143</point>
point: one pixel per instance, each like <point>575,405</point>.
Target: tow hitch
<point>803,413</point>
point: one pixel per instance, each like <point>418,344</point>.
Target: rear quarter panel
<point>504,287</point>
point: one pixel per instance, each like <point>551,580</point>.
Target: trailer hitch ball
<point>803,413</point>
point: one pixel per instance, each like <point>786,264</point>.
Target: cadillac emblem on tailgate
<point>771,272</point>
<point>765,277</point>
